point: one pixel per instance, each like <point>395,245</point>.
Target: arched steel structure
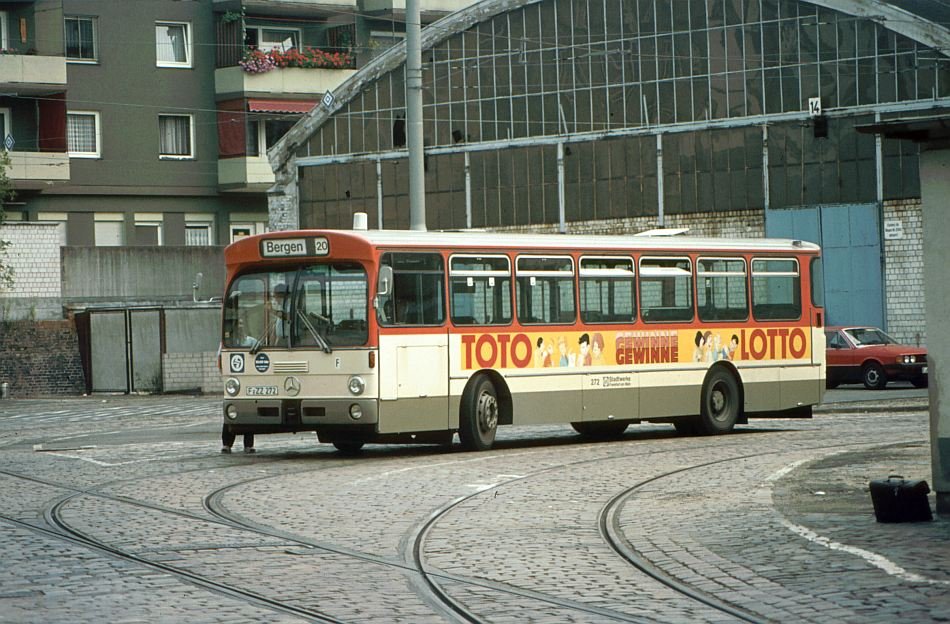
<point>565,110</point>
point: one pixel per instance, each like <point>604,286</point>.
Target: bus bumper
<point>285,415</point>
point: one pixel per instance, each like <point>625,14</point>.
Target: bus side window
<point>418,289</point>
<point>544,289</point>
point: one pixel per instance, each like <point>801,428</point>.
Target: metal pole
<point>562,224</point>
<point>417,191</point>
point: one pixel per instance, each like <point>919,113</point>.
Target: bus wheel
<point>603,430</point>
<point>348,447</point>
<point>479,417</point>
<point>720,407</point>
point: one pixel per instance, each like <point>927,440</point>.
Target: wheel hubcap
<point>717,402</point>
<point>872,376</point>
<point>487,412</point>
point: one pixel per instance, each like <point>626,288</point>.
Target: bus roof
<point>566,242</point>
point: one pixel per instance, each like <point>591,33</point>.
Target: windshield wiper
<point>260,342</point>
<point>322,342</point>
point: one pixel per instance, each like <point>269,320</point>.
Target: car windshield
<point>315,306</point>
<point>866,336</point>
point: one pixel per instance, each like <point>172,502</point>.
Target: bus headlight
<point>356,385</point>
<point>356,412</point>
<point>231,411</point>
<point>232,386</point>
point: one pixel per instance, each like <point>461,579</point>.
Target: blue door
<point>850,238</point>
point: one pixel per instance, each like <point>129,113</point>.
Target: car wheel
<point>873,376</point>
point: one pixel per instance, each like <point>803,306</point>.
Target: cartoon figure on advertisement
<point>584,346</point>
<point>542,355</point>
<point>567,358</point>
<point>597,349</point>
<point>732,347</point>
<point>698,352</point>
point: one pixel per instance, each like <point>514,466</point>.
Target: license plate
<point>262,391</point>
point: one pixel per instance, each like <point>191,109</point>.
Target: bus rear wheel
<point>602,430</point>
<point>478,421</point>
<point>720,407</point>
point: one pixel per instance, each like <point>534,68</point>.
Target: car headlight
<point>232,386</point>
<point>356,385</point>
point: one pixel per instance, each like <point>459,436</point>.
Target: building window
<point>148,234</point>
<point>197,234</point>
<point>82,134</point>
<point>176,136</point>
<point>267,39</point>
<point>80,38</point>
<point>110,230</point>
<point>172,44</point>
<point>5,126</point>
<point>4,27</point>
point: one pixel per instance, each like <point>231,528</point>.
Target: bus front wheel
<point>478,421</point>
<point>720,407</point>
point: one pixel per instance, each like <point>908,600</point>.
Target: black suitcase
<point>896,499</point>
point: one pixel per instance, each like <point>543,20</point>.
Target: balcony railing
<point>28,169</point>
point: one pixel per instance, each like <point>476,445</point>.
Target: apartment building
<point>146,122</point>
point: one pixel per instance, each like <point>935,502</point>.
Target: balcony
<point>234,81</point>
<point>38,170</point>
<point>247,174</point>
<point>32,75</point>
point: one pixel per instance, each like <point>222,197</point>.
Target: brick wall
<point>904,271</point>
<point>33,255</point>
<point>735,224</point>
<point>40,358</point>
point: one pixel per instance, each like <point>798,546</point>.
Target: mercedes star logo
<point>292,386</point>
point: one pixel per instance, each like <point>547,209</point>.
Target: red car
<point>869,356</point>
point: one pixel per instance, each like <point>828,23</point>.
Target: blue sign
<point>262,362</point>
<point>237,362</point>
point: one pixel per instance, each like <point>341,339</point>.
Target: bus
<point>384,336</point>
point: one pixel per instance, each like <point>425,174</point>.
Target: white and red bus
<point>409,337</point>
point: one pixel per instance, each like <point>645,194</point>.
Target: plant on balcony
<point>258,62</point>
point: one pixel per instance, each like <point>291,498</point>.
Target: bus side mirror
<point>384,283</point>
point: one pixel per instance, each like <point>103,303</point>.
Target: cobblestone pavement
<point>121,509</point>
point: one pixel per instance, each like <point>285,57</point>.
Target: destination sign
<point>294,247</point>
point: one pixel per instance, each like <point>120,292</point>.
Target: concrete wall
<point>935,189</point>
<point>140,274</point>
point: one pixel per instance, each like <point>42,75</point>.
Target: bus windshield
<point>317,306</point>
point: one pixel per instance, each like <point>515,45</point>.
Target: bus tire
<point>719,410</point>
<point>600,430</point>
<point>478,421</point>
<point>348,447</point>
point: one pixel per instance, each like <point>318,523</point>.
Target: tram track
<point>428,582</point>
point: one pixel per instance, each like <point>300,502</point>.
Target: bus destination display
<point>294,247</point>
